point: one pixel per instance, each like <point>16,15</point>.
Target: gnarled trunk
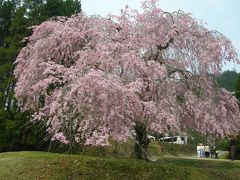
<point>140,149</point>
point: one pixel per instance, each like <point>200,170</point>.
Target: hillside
<point>228,80</point>
<point>43,165</point>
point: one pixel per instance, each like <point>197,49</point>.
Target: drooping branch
<point>124,75</point>
<point>165,46</point>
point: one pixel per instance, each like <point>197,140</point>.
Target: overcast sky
<point>220,15</point>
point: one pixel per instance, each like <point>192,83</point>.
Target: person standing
<point>207,150</point>
<point>213,152</point>
<point>199,150</point>
<point>233,148</point>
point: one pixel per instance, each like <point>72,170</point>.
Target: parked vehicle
<point>151,138</point>
<point>175,139</point>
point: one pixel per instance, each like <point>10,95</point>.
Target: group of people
<point>206,151</point>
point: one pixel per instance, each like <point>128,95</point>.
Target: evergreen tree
<point>15,18</point>
<point>6,13</point>
<point>228,80</point>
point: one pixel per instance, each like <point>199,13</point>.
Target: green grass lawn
<point>155,148</point>
<point>43,165</point>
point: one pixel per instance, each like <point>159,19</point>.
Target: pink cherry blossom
<point>91,79</point>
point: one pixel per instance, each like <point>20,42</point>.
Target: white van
<point>151,138</point>
<point>175,139</point>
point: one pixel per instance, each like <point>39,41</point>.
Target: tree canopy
<point>91,79</point>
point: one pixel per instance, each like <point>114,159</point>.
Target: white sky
<point>220,15</point>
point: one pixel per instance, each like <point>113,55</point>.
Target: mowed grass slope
<point>155,148</point>
<point>44,165</point>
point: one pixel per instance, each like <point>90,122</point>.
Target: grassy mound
<point>43,165</point>
<point>155,148</point>
<point>172,149</point>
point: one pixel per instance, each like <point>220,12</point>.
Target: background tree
<point>228,80</point>
<point>6,13</point>
<point>15,19</point>
<point>237,88</point>
<point>93,79</point>
<point>42,10</point>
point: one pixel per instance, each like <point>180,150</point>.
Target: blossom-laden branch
<point>90,78</point>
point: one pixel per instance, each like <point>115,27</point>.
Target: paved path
<point>220,154</point>
<point>208,159</point>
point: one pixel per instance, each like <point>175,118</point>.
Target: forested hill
<point>228,80</point>
<point>15,19</point>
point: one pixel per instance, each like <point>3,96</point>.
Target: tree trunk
<point>140,150</point>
